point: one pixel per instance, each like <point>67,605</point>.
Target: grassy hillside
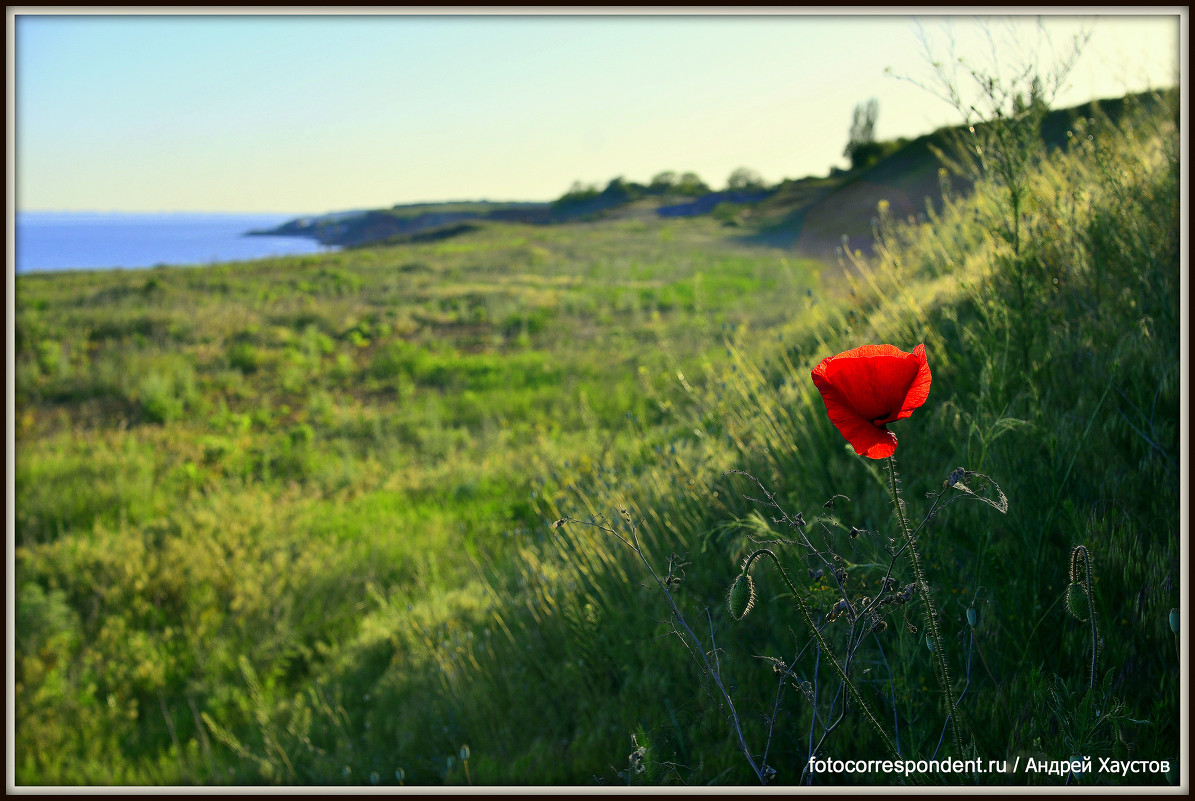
<point>814,214</point>
<point>294,521</point>
<point>228,463</point>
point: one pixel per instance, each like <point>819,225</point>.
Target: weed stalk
<point>931,617</point>
<point>825,647</point>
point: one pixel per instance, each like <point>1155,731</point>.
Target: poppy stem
<point>825,646</point>
<point>938,651</point>
<point>1081,551</point>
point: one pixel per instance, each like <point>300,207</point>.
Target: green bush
<point>245,357</point>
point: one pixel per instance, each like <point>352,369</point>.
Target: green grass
<point>290,521</point>
<point>217,463</point>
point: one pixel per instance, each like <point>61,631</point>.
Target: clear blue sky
<point>307,114</point>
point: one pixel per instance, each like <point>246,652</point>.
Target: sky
<point>311,114</point>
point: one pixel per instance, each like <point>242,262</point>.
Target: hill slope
<point>811,215</point>
<point>291,521</point>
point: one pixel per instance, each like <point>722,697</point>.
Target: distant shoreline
<point>58,241</point>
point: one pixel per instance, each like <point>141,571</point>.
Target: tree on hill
<point>578,194</point>
<point>662,183</point>
<point>744,180</point>
<point>862,148</point>
<point>620,191</point>
<point>669,183</point>
<point>691,184</point>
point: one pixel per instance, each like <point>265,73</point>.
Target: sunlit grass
<point>291,521</point>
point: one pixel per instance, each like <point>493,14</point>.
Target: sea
<point>50,241</point>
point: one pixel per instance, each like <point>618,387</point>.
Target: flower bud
<point>1174,620</point>
<point>972,616</point>
<point>1077,602</point>
<point>741,597</point>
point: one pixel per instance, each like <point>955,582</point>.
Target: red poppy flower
<point>866,388</point>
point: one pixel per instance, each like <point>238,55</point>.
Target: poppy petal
<point>918,391</point>
<point>869,386</point>
<point>865,437</point>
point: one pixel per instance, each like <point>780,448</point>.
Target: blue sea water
<point>48,241</point>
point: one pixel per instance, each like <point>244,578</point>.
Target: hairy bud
<point>741,597</point>
<point>1077,602</point>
